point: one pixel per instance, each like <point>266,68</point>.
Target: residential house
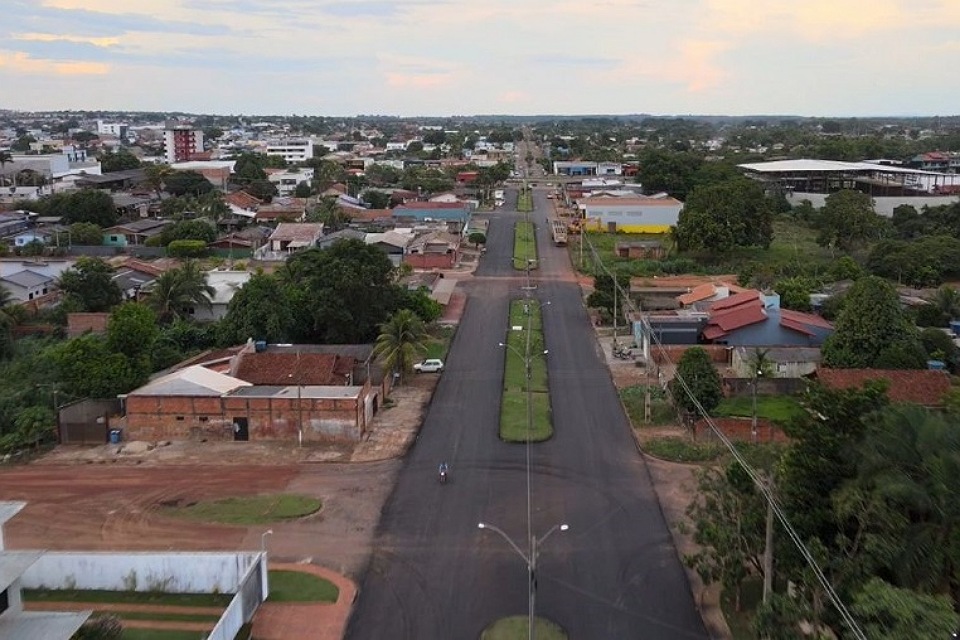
<point>369,216</point>
<point>43,235</point>
<point>312,393</point>
<point>13,222</point>
<point>785,362</point>
<point>434,250</point>
<point>53,267</point>
<point>343,234</point>
<point>243,242</point>
<point>134,276</point>
<point>225,285</point>
<point>28,285</point>
<point>752,319</point>
<point>393,243</point>
<point>925,387</point>
<point>449,196</point>
<point>290,237</point>
<point>282,210</point>
<point>630,215</point>
<point>134,233</point>
<point>242,204</point>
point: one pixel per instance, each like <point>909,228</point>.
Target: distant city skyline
<point>820,58</point>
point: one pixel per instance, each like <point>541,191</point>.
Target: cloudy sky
<point>447,57</point>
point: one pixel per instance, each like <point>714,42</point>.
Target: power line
<point>751,472</point>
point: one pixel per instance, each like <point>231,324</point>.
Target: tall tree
<point>847,219</point>
<point>259,310</point>
<point>89,286</point>
<point>180,183</point>
<point>175,292</point>
<point>156,177</point>
<point>721,216</point>
<point>888,613</point>
<point>701,380</point>
<point>873,331</point>
<point>402,338</point>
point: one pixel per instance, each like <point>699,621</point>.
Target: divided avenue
<point>614,574</point>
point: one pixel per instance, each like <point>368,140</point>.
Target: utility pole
<point>768,547</point>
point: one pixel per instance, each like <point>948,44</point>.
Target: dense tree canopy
<point>721,216</point>
<point>180,183</point>
<point>259,310</point>
<point>86,205</point>
<point>89,286</point>
<point>702,382</point>
<point>121,160</point>
<point>847,219</point>
<point>873,331</point>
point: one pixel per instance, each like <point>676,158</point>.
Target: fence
<point>86,421</point>
<point>242,574</point>
<point>765,386</point>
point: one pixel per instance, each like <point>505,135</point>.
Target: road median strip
<point>517,420</point>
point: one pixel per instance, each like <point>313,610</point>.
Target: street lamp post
<point>530,559</point>
<point>263,540</point>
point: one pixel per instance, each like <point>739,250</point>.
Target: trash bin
<point>115,436</point>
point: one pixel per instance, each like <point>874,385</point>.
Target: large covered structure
<point>888,184</point>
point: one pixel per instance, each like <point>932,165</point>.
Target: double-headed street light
<point>530,559</point>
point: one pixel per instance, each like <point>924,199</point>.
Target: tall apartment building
<point>180,142</point>
<point>293,151</point>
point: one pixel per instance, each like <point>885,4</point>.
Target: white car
<point>429,366</point>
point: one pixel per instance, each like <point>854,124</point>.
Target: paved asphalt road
<point>614,574</point>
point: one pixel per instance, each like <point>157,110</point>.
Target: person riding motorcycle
<point>443,471</point>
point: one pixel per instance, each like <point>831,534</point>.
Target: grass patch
<point>249,510</point>
<point>675,449</point>
<point>524,244</point>
<point>438,344</point>
<point>513,417</point>
<point>741,622</point>
<point>128,597</point>
<point>158,634</point>
<point>525,201</point>
<point>516,628</point>
<point>513,406</point>
<point>634,398</point>
<point>779,409</point>
<point>296,586</point>
<point>164,617</point>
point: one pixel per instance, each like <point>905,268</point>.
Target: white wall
<point>173,572</point>
<point>883,205</point>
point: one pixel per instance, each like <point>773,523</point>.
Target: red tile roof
<point>809,319</point>
<point>721,324</point>
<point>242,199</point>
<point>919,386</point>
<point>702,292</point>
<point>272,368</point>
<point>737,299</point>
<point>368,215</point>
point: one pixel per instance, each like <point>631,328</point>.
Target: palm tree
<point>947,299</point>
<point>401,338</point>
<point>175,292</point>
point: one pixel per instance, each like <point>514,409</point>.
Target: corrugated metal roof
<point>13,564</point>
<point>191,381</point>
<point>41,625</point>
<point>806,165</point>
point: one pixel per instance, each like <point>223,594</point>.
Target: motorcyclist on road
<point>443,470</point>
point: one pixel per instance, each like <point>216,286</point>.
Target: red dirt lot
<point>118,507</point>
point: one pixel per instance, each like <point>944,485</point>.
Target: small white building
<point>225,285</point>
<point>287,181</point>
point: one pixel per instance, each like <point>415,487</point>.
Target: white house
<point>287,181</point>
<point>293,151</point>
<point>27,285</point>
<point>225,285</point>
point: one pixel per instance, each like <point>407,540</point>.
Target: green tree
<point>259,310</point>
<point>420,302</point>
<point>330,213</point>
<point>847,219</point>
<point>477,238</point>
<point>177,291</point>
<point>376,199</point>
<point>212,133</point>
<point>89,286</point>
<point>106,627</point>
<point>84,233</point>
<point>121,160</point>
<point>189,230</point>
<point>249,167</point>
<point>156,176</point>
<point>86,205</point>
<point>947,300</point>
<point>702,386</point>
<point>187,249</point>
<point>179,183</point>
<point>132,330</point>
<point>721,216</point>
<point>669,171</point>
<point>871,329</point>
<point>303,190</point>
<point>89,369</point>
<point>262,189</point>
<point>795,292</point>
<point>341,294</point>
<point>402,339</point>
<point>728,517</point>
<point>888,613</point>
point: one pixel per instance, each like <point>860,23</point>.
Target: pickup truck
<point>429,366</point>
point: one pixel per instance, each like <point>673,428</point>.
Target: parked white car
<point>429,366</point>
